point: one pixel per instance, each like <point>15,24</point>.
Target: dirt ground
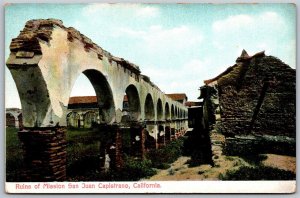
<point>287,163</point>
<point>179,170</point>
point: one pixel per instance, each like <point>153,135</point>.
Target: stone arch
<point>149,108</point>
<point>73,120</point>
<point>89,118</point>
<point>167,111</point>
<point>104,95</point>
<point>134,106</point>
<point>159,109</point>
<point>10,120</point>
<point>176,112</point>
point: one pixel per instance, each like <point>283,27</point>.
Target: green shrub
<point>133,170</point>
<point>171,171</point>
<point>254,159</point>
<point>14,155</point>
<point>160,158</point>
<point>258,173</point>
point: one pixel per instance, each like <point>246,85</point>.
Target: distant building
<point>14,117</point>
<point>83,111</point>
<point>179,97</point>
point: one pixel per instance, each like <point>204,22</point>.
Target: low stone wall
<point>44,154</point>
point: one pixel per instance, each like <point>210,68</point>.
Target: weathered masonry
<point>253,103</point>
<point>45,61</point>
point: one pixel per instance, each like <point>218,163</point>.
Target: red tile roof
<point>82,99</point>
<point>87,99</point>
<point>177,96</point>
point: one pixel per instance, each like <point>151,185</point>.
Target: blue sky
<point>176,45</point>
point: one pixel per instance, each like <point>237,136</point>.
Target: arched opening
<point>159,110</point>
<point>89,119</point>
<point>92,109</point>
<point>104,95</point>
<point>131,104</point>
<point>167,111</point>
<point>73,120</point>
<point>149,108</point>
<point>10,120</point>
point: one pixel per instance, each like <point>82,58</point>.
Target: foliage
<point>258,173</point>
<point>135,169</point>
<point>82,146</point>
<point>254,159</point>
<point>14,157</point>
<point>160,158</point>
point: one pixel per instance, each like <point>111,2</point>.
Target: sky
<point>177,45</point>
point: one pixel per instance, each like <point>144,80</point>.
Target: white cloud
<point>271,18</point>
<point>159,39</point>
<point>138,10</point>
<point>266,31</point>
<point>147,11</point>
<point>185,78</point>
<point>243,21</point>
<point>232,22</point>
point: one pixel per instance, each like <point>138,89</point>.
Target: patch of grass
<point>258,173</point>
<point>83,146</point>
<point>171,171</point>
<point>134,170</point>
<point>254,159</point>
<point>14,156</point>
<point>230,158</point>
<point>161,158</point>
<point>201,172</point>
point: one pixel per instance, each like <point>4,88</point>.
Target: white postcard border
<point>155,187</point>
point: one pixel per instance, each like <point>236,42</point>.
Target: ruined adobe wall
<point>258,96</point>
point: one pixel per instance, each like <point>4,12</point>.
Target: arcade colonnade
<point>45,61</point>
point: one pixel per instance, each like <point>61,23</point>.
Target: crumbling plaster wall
<point>46,60</point>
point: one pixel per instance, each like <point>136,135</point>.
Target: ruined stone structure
<point>45,61</point>
<point>14,117</point>
<point>255,101</point>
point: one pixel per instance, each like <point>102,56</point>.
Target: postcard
<point>150,98</point>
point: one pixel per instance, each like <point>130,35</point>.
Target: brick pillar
<point>138,138</point>
<point>44,154</point>
<point>161,135</point>
<point>119,154</point>
<point>167,134</point>
<point>111,145</point>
